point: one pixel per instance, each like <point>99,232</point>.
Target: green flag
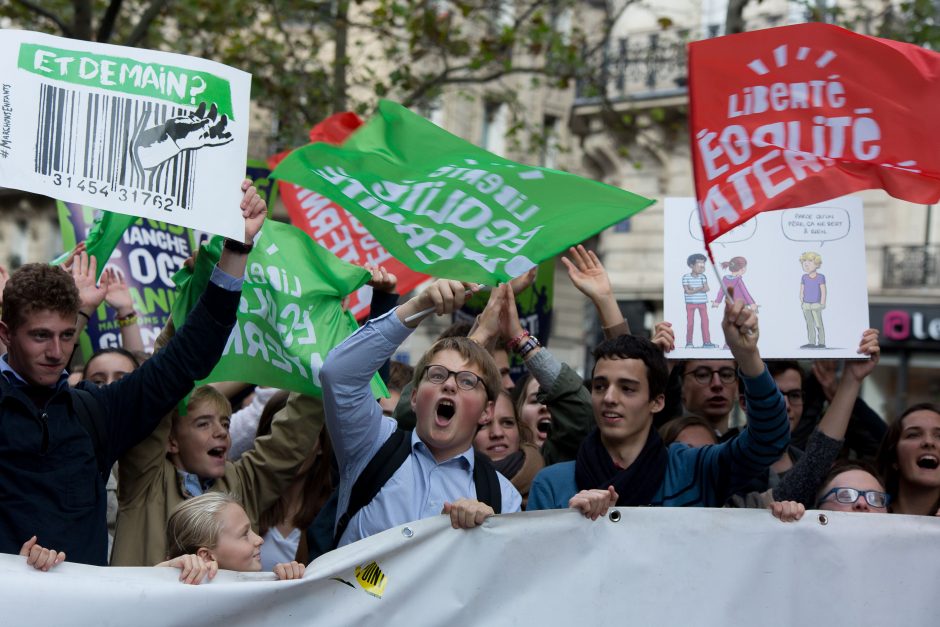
<point>447,208</point>
<point>290,314</point>
<point>103,237</point>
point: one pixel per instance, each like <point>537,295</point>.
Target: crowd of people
<point>124,463</point>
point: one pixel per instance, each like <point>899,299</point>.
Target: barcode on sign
<point>86,141</point>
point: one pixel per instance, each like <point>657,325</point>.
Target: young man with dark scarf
<point>625,463</point>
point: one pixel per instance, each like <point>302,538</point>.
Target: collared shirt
<point>419,488</point>
<point>193,484</point>
<point>15,379</point>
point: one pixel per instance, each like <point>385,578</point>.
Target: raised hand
<point>524,280</point>
<point>741,333</point>
<point>444,296</point>
<point>861,368</point>
<point>84,270</point>
<point>118,295</point>
<point>254,210</point>
<point>664,337</point>
<point>587,273</point>
<point>382,280</point>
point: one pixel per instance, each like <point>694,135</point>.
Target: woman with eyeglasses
<point>853,487</point>
<point>909,460</point>
<point>509,444</point>
<point>801,481</point>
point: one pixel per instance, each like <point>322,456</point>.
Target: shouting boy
<point>455,385</point>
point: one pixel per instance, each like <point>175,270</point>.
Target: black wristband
<point>237,247</point>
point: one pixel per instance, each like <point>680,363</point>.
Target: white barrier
<point>652,567</point>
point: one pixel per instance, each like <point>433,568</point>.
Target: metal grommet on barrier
<point>823,519</point>
<point>407,532</point>
<point>614,515</point>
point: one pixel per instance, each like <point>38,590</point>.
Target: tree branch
<point>442,78</point>
<point>140,31</point>
<point>29,6</point>
<point>106,28</point>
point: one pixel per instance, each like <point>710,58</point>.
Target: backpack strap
<point>377,472</point>
<point>486,482</point>
<point>91,419</point>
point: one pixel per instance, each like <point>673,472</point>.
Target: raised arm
<point>767,435</point>
<point>802,481</point>
<point>137,402</point>
<point>560,388</point>
<point>353,417</point>
<point>587,273</point>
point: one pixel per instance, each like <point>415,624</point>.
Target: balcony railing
<point>911,266</point>
<point>649,64</point>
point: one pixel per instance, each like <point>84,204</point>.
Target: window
<point>550,141</point>
<point>494,127</point>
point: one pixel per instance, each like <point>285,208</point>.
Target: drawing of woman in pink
<point>737,266</point>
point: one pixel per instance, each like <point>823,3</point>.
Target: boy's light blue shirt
<point>419,488</point>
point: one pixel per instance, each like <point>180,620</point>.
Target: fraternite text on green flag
<point>451,209</point>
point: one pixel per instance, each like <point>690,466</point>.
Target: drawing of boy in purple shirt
<point>813,300</point>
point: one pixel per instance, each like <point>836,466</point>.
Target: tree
<point>310,58</point>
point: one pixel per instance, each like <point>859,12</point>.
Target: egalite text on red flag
<point>790,116</point>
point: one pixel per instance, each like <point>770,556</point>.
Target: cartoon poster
<point>152,134</point>
<point>802,270</point>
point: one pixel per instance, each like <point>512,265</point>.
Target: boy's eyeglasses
<point>794,396</point>
<point>465,379</point>
<point>703,375</point>
<point>848,496</point>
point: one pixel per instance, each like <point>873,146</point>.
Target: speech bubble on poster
<point>817,224</point>
<point>738,234</point>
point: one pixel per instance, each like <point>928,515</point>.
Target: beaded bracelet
<point>514,343</point>
<point>127,320</point>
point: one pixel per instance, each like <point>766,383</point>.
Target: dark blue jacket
<point>49,480</point>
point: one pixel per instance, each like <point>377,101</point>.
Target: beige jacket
<point>149,487</point>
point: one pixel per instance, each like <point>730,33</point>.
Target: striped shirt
<point>698,477</point>
<point>694,281</point>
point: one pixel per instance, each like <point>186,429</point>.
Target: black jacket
<point>49,480</point>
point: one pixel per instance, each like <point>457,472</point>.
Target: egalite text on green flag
<point>447,208</point>
<point>290,314</point>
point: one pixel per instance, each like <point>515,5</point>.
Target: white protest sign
<point>655,566</point>
<point>802,269</point>
<point>139,132</point>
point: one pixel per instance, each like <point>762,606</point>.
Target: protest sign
<point>290,314</point>
<point>643,566</point>
<point>803,269</point>
<point>791,116</point>
<point>145,252</point>
<point>334,228</point>
<point>151,134</point>
<point>448,208</point>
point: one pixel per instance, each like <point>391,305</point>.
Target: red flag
<point>790,116</point>
<point>333,228</point>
